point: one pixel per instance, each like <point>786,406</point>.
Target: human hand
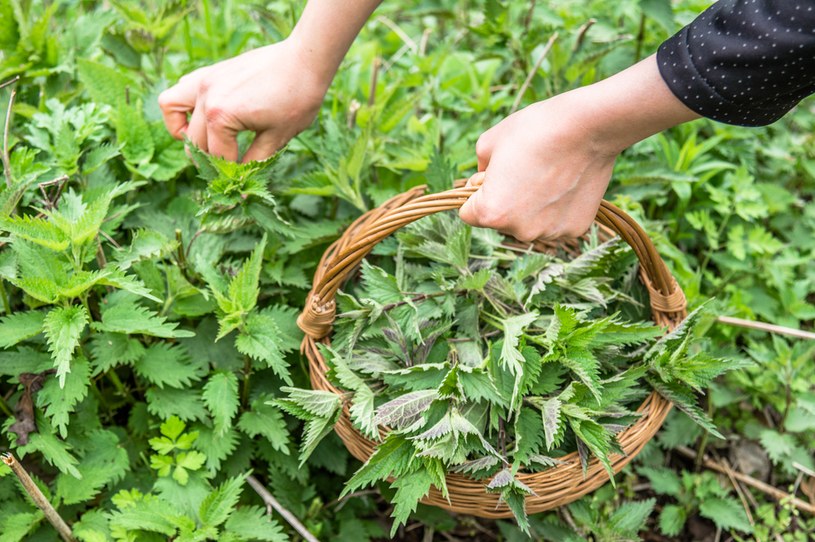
<point>541,173</point>
<point>273,91</point>
<point>543,170</point>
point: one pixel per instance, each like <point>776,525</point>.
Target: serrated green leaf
<point>59,399</point>
<point>63,327</point>
<point>726,513</point>
<point>252,523</point>
<point>221,397</point>
<point>260,339</point>
<point>124,315</point>
<point>267,421</point>
<point>36,230</point>
<point>220,504</point>
<point>164,364</point>
<point>20,326</point>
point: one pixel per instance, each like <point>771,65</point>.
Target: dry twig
<point>532,72</point>
<point>39,499</point>
<point>273,503</point>
<point>750,481</point>
<point>763,326</point>
<point>6,129</point>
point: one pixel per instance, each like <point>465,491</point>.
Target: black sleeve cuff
<point>696,88</point>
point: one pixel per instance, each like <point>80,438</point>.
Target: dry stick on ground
<point>6,158</point>
<point>739,491</point>
<point>763,326</point>
<point>271,502</point>
<point>532,72</point>
<point>750,481</point>
<point>39,499</point>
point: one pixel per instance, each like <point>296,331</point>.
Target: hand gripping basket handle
<point>667,299</point>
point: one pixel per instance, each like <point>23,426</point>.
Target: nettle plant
<point>485,358</point>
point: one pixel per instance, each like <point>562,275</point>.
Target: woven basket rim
<point>556,486</point>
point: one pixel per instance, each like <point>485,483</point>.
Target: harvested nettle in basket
<point>472,371</point>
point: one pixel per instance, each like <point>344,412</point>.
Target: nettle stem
<point>39,499</point>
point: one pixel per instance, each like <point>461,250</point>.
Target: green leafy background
<point>148,306</point>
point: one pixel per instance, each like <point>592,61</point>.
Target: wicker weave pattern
<point>556,486</point>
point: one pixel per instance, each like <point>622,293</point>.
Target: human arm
<point>545,168</point>
<point>274,91</point>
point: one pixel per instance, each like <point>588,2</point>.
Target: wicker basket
<point>556,486</point>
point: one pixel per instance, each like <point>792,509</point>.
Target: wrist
<point>629,107</point>
<point>313,73</point>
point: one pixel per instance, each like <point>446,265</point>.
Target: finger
<point>470,211</point>
<point>176,102</point>
<point>265,145</point>
<point>477,179</point>
<point>197,129</point>
<point>222,140</point>
<point>484,147</point>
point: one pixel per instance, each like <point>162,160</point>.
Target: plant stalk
<point>39,499</point>
<point>273,503</point>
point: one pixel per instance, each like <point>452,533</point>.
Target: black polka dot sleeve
<point>744,62</point>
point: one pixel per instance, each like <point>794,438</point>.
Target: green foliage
<point>121,261</point>
<point>570,376</point>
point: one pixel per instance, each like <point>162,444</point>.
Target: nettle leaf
<point>36,230</point>
<point>362,412</point>
<point>410,489</point>
<point>104,84</point>
<point>672,519</point>
<point>105,461</point>
<point>221,397</point>
<point>123,314</point>
<point>317,403</point>
<point>261,340</point>
<point>511,356</point>
<point>137,512</point>
<point>440,173</point>
<point>631,517</point>
<point>55,452</point>
<point>392,458</point>
<point>63,327</point>
<point>726,513</point>
<point>221,503</point>
<point>252,523</point>
<point>379,284</point>
<point>133,133</point>
<point>60,398</point>
<point>553,423</point>
<point>241,294</point>
<point>406,409</point>
<point>267,421</point>
<point>145,244</point>
<point>165,364</point>
<point>597,439</point>
<point>19,326</point>
<point>513,493</point>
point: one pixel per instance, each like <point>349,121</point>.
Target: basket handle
<point>350,249</point>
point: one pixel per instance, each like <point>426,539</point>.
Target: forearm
<point>628,107</point>
<point>326,30</point>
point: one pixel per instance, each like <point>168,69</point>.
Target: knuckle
<point>204,85</point>
<point>216,116</point>
<point>164,99</point>
<point>482,147</point>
